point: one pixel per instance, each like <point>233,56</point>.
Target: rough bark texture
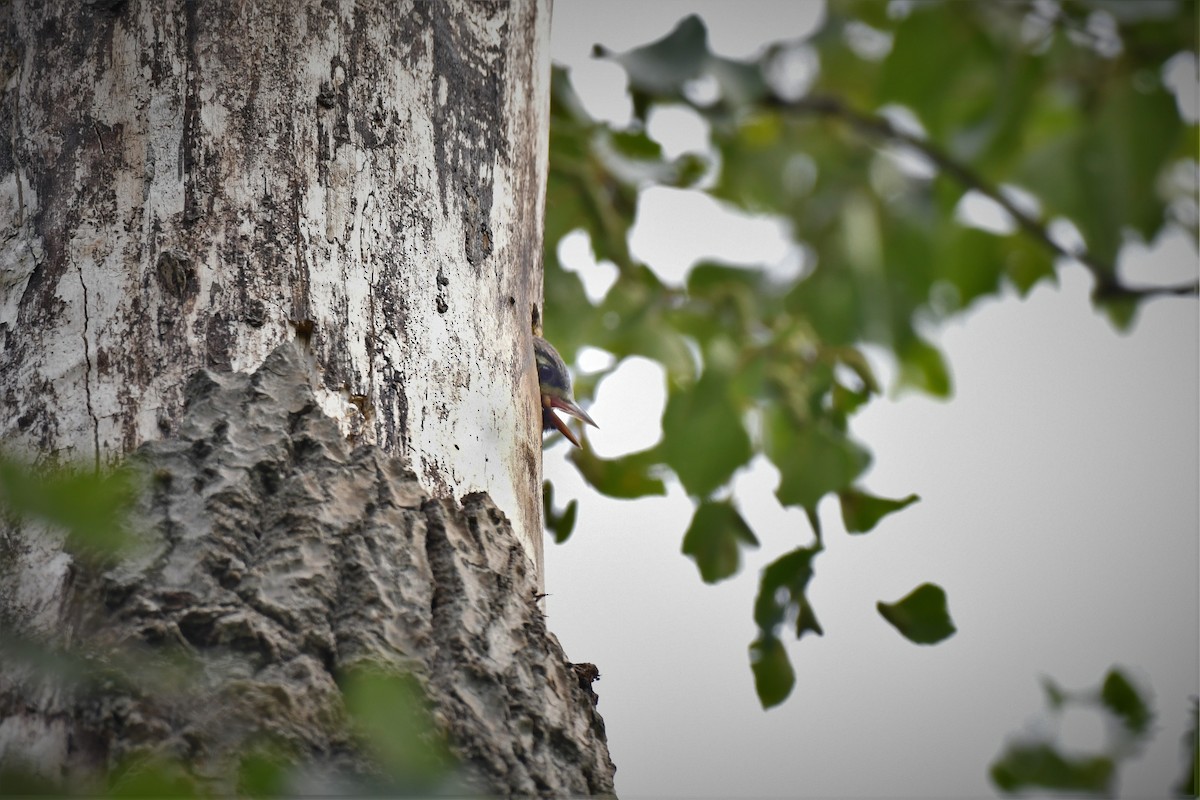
<point>279,556</point>
<point>189,183</point>
<point>347,194</point>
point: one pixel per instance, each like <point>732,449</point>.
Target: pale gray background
<point>1059,511</point>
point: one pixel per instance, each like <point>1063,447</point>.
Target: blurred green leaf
<point>663,67</point>
<point>845,72</point>
<point>1040,766</point>
<point>635,321</point>
<point>972,261</point>
<point>586,193</point>
<point>635,159</point>
<point>755,155</point>
<point>92,508</point>
<point>813,460</point>
<point>715,538</point>
<point>625,478</point>
<point>389,712</point>
<point>1103,175</point>
<point>635,145</point>
<point>704,440</point>
<point>781,591</point>
<point>662,70</point>
<point>1120,310</point>
<point>1122,698</point>
<point>263,772</point>
<point>151,778</point>
<point>853,358</point>
<point>87,669</point>
<point>566,109</point>
<point>567,311</point>
<point>921,616</point>
<point>847,401</point>
<point>18,779</point>
<point>561,525</point>
<point>773,673</point>
<point>1056,697</point>
<point>1027,263</point>
<point>937,67</point>
<point>726,298</point>
<point>922,367</point>
<point>780,596</point>
<point>862,511</point>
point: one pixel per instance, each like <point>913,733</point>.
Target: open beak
<point>568,407</point>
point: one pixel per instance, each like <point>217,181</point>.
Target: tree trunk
<point>190,184</point>
<point>342,202</point>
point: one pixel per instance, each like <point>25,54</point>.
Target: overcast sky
<point>1059,511</point>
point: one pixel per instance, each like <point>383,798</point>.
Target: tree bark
<point>189,184</point>
<point>277,560</point>
<point>342,201</point>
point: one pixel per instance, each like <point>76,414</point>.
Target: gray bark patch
<point>469,120</point>
<point>277,559</point>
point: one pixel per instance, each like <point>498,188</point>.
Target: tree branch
<point>1108,286</point>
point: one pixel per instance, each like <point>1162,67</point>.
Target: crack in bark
<point>191,114</point>
<point>372,337</point>
<point>446,586</point>
<point>16,122</point>
<point>87,376</point>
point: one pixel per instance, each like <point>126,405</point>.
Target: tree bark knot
<point>277,558</point>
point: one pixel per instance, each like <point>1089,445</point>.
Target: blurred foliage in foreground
<point>89,509</point>
<point>1042,761</point>
<point>865,139</point>
<point>386,711</point>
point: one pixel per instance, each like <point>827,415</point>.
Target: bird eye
<point>545,373</point>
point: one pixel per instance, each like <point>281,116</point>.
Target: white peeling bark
<point>187,185</point>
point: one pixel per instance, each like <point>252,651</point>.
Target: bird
<point>554,383</point>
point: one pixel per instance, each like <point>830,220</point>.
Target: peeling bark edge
<point>277,558</point>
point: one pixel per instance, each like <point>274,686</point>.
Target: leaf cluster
<point>1044,763</point>
<point>865,140</point>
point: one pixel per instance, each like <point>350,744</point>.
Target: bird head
<point>554,382</point>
